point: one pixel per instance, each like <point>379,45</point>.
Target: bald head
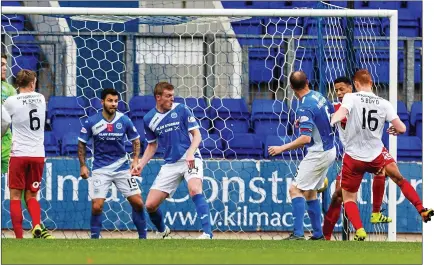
<point>298,80</point>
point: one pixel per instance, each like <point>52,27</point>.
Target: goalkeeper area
<point>230,63</point>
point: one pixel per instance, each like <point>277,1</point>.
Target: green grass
<point>121,251</point>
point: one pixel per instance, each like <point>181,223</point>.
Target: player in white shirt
<point>366,114</point>
<point>27,111</point>
<point>343,86</point>
<point>173,127</point>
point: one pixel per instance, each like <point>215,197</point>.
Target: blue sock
<point>202,210</point>
<point>140,222</point>
<point>298,209</point>
<point>95,226</point>
<point>157,220</point>
<point>314,211</point>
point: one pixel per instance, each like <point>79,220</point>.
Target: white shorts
<point>313,169</point>
<point>102,181</point>
<point>171,175</point>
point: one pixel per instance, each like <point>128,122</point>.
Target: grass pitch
<point>127,251</point>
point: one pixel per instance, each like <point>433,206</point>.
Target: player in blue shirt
<point>313,117</point>
<point>108,130</point>
<point>173,127</point>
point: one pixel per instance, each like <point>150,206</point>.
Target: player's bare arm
<point>298,143</point>
<point>195,142</point>
<point>84,171</point>
<point>398,127</point>
<point>339,115</point>
<point>149,153</point>
<point>136,152</point>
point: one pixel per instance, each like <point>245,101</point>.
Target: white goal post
<point>392,15</point>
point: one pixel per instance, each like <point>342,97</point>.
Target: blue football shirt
<point>109,153</point>
<point>171,131</point>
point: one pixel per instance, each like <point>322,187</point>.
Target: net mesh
<point>232,72</point>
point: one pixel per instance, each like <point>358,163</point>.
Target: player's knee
<point>195,190</point>
<point>15,194</point>
<point>337,197</point>
<point>295,192</point>
<point>97,207</point>
<point>137,203</point>
<point>151,207</point>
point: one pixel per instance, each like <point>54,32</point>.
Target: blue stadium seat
<point>139,106</point>
<point>262,65</point>
<point>52,147</point>
<point>123,107</point>
<point>229,108</point>
<point>198,107</point>
<point>416,118</point>
<point>70,145</point>
<point>12,22</point>
<point>270,140</point>
<point>64,114</point>
<point>95,106</point>
<point>211,146</point>
<point>385,136</point>
<point>409,148</point>
<point>270,117</point>
<point>244,145</point>
<point>283,27</point>
<point>404,116</point>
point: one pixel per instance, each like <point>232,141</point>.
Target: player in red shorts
<point>370,113</point>
<point>27,111</point>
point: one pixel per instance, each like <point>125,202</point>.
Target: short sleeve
<point>305,119</point>
<point>131,132</point>
<point>149,134</point>
<point>9,106</point>
<point>348,102</point>
<point>191,120</point>
<point>86,132</point>
<point>390,112</point>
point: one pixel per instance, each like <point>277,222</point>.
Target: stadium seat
<point>52,147</point>
<point>244,145</point>
<point>211,146</point>
<point>262,65</point>
<point>409,148</point>
<point>230,115</point>
<point>416,118</point>
<point>64,114</point>
<point>139,106</point>
<point>70,145</point>
<point>12,22</point>
<point>271,140</point>
<point>94,107</point>
<point>404,116</point>
<point>269,117</point>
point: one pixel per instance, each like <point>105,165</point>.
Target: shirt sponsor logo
<point>118,126</point>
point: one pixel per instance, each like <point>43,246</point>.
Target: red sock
<point>353,214</point>
<point>34,211</point>
<point>378,193</point>
<point>331,218</point>
<point>411,194</point>
<point>17,218</point>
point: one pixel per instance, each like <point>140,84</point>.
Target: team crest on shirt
<point>174,115</point>
<point>118,126</point>
<point>191,119</point>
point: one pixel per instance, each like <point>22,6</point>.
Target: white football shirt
<point>27,111</point>
<point>367,116</point>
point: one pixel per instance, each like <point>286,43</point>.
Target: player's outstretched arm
<point>149,153</point>
<point>339,115</point>
<point>84,171</point>
<point>398,127</point>
<point>195,142</point>
<point>297,143</point>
